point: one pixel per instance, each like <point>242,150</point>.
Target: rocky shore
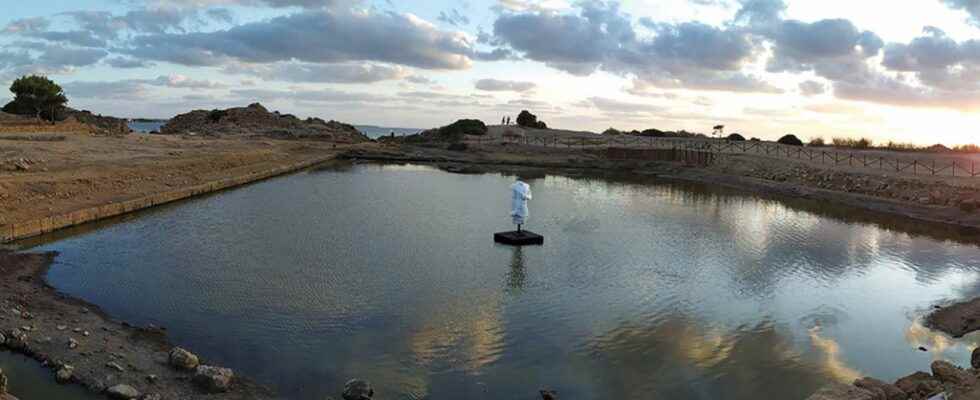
<point>81,345</point>
<point>946,382</point>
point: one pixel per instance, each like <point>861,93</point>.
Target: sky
<point>904,71</point>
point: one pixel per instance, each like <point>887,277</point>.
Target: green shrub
<point>736,137</point>
<point>456,130</point>
<point>817,142</point>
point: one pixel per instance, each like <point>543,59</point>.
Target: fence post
<point>915,165</point>
<point>933,167</point>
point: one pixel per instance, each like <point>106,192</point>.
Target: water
<point>30,381</point>
<point>146,127</point>
<point>644,289</point>
<point>375,132</point>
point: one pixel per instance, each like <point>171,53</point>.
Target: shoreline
<point>99,352</point>
<point>145,349</point>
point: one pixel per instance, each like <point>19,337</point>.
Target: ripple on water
<point>642,290</point>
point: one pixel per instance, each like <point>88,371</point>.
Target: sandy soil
<point>41,178</point>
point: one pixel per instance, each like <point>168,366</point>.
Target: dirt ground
<point>41,178</point>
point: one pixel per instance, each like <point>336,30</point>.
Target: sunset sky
<point>907,71</point>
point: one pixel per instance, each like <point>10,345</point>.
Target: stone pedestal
<point>515,238</point>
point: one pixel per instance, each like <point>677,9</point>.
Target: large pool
<point>644,288</point>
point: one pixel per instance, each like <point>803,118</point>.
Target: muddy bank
<point>81,345</point>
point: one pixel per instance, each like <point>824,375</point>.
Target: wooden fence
<point>936,165</point>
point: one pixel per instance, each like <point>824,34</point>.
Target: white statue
<point>520,193</point>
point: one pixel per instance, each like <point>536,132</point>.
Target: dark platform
<point>516,238</point>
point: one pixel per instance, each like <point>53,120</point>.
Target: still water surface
<point>643,290</point>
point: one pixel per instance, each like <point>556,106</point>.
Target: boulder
<point>3,382</point>
<point>975,358</point>
<point>951,374</point>
<point>213,379</point>
<point>183,359</point>
<point>64,374</point>
<point>887,390</point>
<point>123,392</point>
<point>16,339</point>
<point>356,389</point>
<point>919,384</point>
<point>843,392</point>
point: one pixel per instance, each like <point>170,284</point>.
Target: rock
<point>65,374</point>
<point>356,389</point>
<point>843,392</point>
<point>115,366</point>
<point>919,384</point>
<point>151,397</point>
<point>548,394</point>
<point>72,343</point>
<point>256,120</point>
<point>17,339</point>
<point>152,379</point>
<point>951,374</point>
<point>183,359</point>
<point>3,382</point>
<point>123,392</point>
<point>213,379</point>
<point>975,358</point>
<point>887,390</point>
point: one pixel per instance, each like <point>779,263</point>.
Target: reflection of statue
<point>517,275</point>
<point>520,194</point>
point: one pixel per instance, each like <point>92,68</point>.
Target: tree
<point>735,137</point>
<point>791,140</point>
<point>526,119</point>
<point>38,94</point>
<point>718,130</point>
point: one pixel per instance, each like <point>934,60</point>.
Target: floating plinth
<point>515,238</point>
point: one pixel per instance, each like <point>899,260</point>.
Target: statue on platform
<point>520,194</point>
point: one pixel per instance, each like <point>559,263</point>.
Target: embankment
<point>51,223</point>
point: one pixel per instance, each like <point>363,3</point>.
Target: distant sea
<point>371,131</point>
<point>375,132</point>
<point>146,126</point>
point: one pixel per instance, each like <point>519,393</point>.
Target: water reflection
<point>645,289</point>
<point>517,276</point>
<point>683,358</point>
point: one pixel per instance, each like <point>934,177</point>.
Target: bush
<point>736,137</point>
<point>862,143</point>
<point>755,139</point>
<point>791,140</point>
<point>528,120</point>
<point>817,142</point>
<point>456,130</point>
<point>215,116</point>
<point>612,132</point>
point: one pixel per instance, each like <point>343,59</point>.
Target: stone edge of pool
<point>51,223</point>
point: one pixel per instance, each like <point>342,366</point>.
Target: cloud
<point>26,25</point>
<point>318,96</point>
<point>812,88</point>
<point>125,90</point>
<point>972,7</point>
<point>614,106</point>
<point>530,5</point>
<point>126,63</point>
<point>59,56</point>
<point>308,4</point>
<point>181,81</point>
<point>324,73</point>
<point>418,79</point>
<point>323,36</point>
<point>453,17</point>
<point>495,85</point>
<point>690,54</point>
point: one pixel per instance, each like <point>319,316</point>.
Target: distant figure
<point>508,121</point>
<point>503,120</point>
<point>520,194</point>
